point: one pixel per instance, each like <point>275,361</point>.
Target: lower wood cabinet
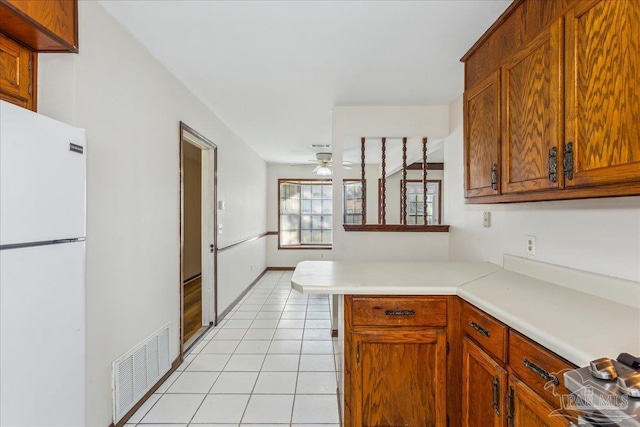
<point>484,382</point>
<point>395,371</point>
<point>434,361</point>
<point>521,390</point>
<point>525,408</point>
<point>399,378</point>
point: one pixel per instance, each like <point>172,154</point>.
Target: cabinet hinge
<point>358,353</point>
<point>30,64</point>
<point>30,89</point>
<point>553,164</point>
<point>568,160</point>
<point>494,177</point>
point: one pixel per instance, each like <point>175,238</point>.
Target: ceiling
<point>273,70</point>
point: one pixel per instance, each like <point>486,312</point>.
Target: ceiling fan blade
<point>302,164</point>
<point>316,168</point>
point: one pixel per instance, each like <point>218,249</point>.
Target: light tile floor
<point>271,362</point>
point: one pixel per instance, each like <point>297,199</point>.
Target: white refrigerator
<point>42,270</point>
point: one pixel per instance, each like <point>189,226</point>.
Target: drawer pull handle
<point>480,329</point>
<point>541,372</point>
<point>400,312</point>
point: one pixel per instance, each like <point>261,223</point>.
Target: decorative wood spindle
<point>383,195</point>
<point>404,181</point>
<point>424,179</point>
<point>364,187</point>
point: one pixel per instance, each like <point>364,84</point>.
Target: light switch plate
<point>486,219</point>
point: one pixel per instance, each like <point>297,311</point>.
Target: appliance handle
<point>40,243</point>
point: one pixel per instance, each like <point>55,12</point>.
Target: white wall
<point>237,268</point>
<point>412,121</point>
<point>131,107</point>
<point>597,235</point>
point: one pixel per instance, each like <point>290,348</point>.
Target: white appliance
<point>42,270</point>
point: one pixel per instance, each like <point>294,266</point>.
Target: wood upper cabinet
<point>603,92</point>
<point>395,365</point>
<point>526,409</point>
<point>532,112</point>
<point>482,137</point>
<point>17,65</point>
<point>569,76</point>
<point>484,383</point>
<point>43,25</point>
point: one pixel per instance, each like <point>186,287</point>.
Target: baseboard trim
<point>237,300</point>
<point>144,398</point>
<point>281,268</point>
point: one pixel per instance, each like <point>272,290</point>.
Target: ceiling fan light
<point>323,171</point>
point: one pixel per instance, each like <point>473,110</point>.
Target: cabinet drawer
<point>537,367</point>
<point>399,311</point>
<point>485,330</point>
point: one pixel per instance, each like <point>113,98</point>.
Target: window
<point>415,205</point>
<point>352,191</point>
<point>306,213</point>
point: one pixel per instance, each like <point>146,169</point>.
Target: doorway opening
<point>198,244</point>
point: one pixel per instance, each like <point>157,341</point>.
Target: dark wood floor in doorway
<point>192,307</point>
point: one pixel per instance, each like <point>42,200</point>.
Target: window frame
<point>344,200</point>
<point>439,207</point>
<point>303,181</point>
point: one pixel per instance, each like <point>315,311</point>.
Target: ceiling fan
<point>324,164</point>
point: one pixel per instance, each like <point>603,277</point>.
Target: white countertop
<point>577,325</point>
<point>397,278</point>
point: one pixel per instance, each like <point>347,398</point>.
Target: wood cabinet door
<point>602,105</point>
<point>526,409</point>
<point>482,137</point>
<point>15,73</point>
<point>532,114</point>
<point>399,378</point>
<point>43,25</point>
<point>484,382</point>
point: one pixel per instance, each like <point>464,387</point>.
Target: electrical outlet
<point>531,245</point>
<point>486,219</point>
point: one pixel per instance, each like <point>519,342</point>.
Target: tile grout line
<point>276,291</point>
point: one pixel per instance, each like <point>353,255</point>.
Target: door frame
<point>209,308</point>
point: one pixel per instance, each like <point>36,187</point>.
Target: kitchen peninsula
<point>417,338</point>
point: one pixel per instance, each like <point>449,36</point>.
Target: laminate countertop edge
<point>576,325</point>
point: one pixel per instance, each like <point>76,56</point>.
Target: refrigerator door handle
<point>41,243</point>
